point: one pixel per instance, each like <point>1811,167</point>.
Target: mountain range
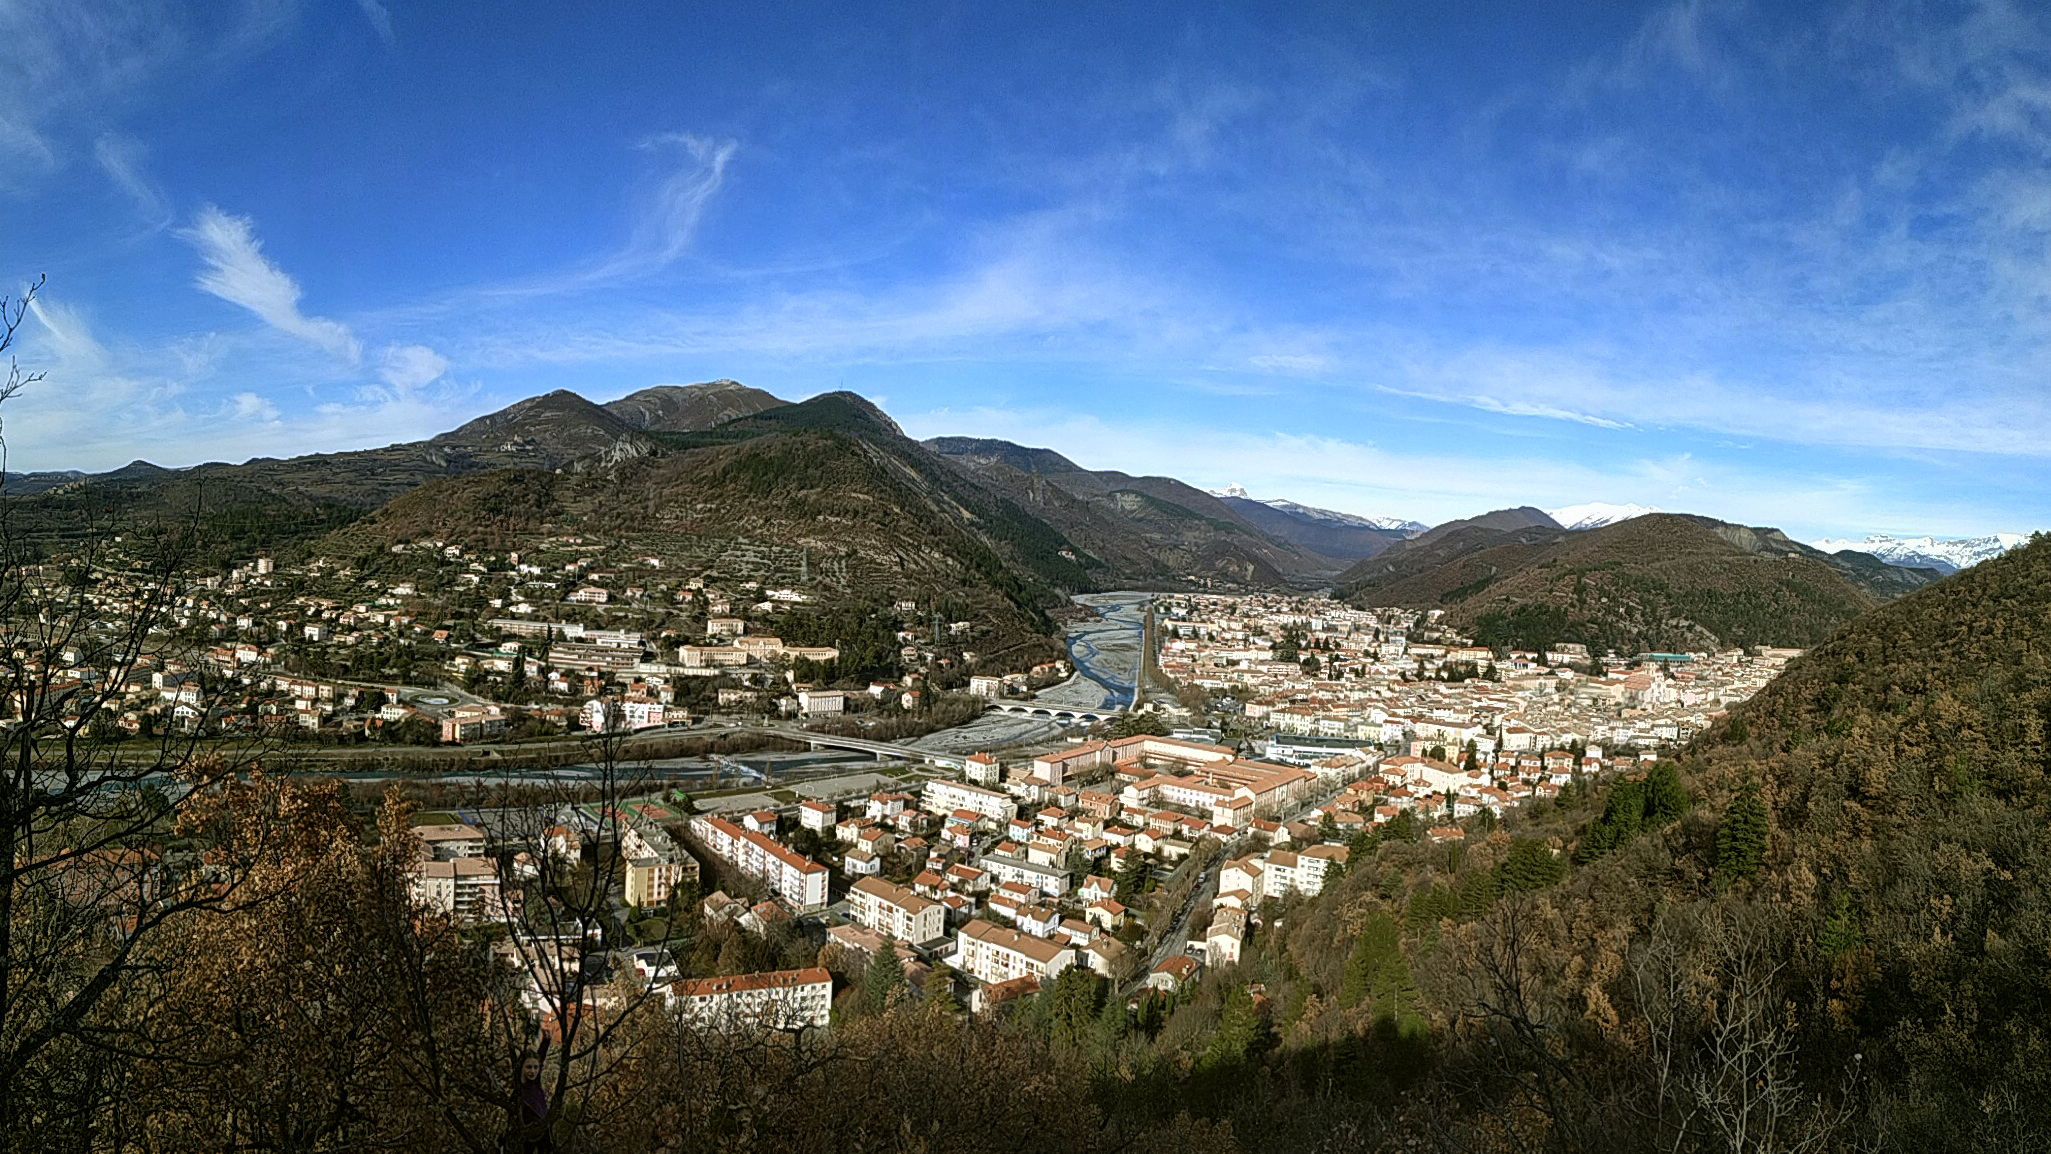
<point>1949,556</point>
<point>724,478</point>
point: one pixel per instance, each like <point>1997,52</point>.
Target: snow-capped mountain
<point>1329,516</point>
<point>1949,556</point>
<point>1595,514</point>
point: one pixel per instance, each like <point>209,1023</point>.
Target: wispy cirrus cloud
<point>122,158</point>
<point>380,18</point>
<point>238,272</point>
<point>671,221</point>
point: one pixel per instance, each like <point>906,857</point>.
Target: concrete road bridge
<point>859,744</point>
<point>1063,713</point>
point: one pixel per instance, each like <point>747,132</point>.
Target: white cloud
<point>408,367</point>
<point>238,272</point>
<point>380,18</point>
<point>250,407</point>
<point>70,338</point>
<point>121,157</point>
<point>1299,363</point>
<point>672,220</point>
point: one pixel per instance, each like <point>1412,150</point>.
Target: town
<point>1277,736</point>
<point>1280,735</point>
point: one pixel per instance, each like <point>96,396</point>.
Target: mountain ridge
<point>1661,581</point>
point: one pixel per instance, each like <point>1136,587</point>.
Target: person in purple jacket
<point>528,1111</point>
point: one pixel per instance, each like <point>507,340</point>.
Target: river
<point>1105,651</point>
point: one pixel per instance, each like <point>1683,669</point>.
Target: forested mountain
<point>690,408</point>
<point>1904,771</point>
<point>1345,539</point>
<point>827,493</point>
<point>1662,581</point>
<point>1155,531</point>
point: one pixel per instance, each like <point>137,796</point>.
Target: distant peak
<point>1237,492</point>
<point>1596,514</point>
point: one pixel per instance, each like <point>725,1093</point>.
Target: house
<point>1226,937</point>
<point>722,908</point>
<point>818,816</point>
<point>983,769</point>
<point>1173,973</point>
<point>1106,912</point>
<point>763,917</point>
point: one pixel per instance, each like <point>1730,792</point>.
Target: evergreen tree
<point>883,980</point>
<point>1153,1012</point>
<point>1622,815</point>
<point>1238,1035</point>
<point>1378,973</point>
<point>1665,798</point>
<point>1073,1003</point>
<point>1741,835</point>
<point>1132,877</point>
<point>1402,827</point>
<point>1112,1024</point>
<point>1477,892</point>
<point>939,988</point>
<point>1530,865</point>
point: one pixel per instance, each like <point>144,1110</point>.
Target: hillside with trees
<point>1662,582</point>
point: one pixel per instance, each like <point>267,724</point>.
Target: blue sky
<point>1776,263</point>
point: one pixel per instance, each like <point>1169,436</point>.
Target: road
<point>1175,940</point>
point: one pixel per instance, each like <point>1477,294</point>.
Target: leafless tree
<point>83,887</point>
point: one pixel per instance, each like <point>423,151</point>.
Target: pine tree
<point>1132,877</point>
<point>1112,1023</point>
<point>1530,865</point>
<point>1379,973</point>
<point>1665,798</point>
<point>1623,812</point>
<point>1741,835</point>
<point>884,978</point>
<point>939,988</point>
<point>1074,1001</point>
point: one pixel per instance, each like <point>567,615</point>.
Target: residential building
<point>449,842</point>
<point>991,953</point>
<point>942,796</point>
<point>897,911</point>
<point>776,1000</point>
<point>466,888</point>
<point>796,879</point>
